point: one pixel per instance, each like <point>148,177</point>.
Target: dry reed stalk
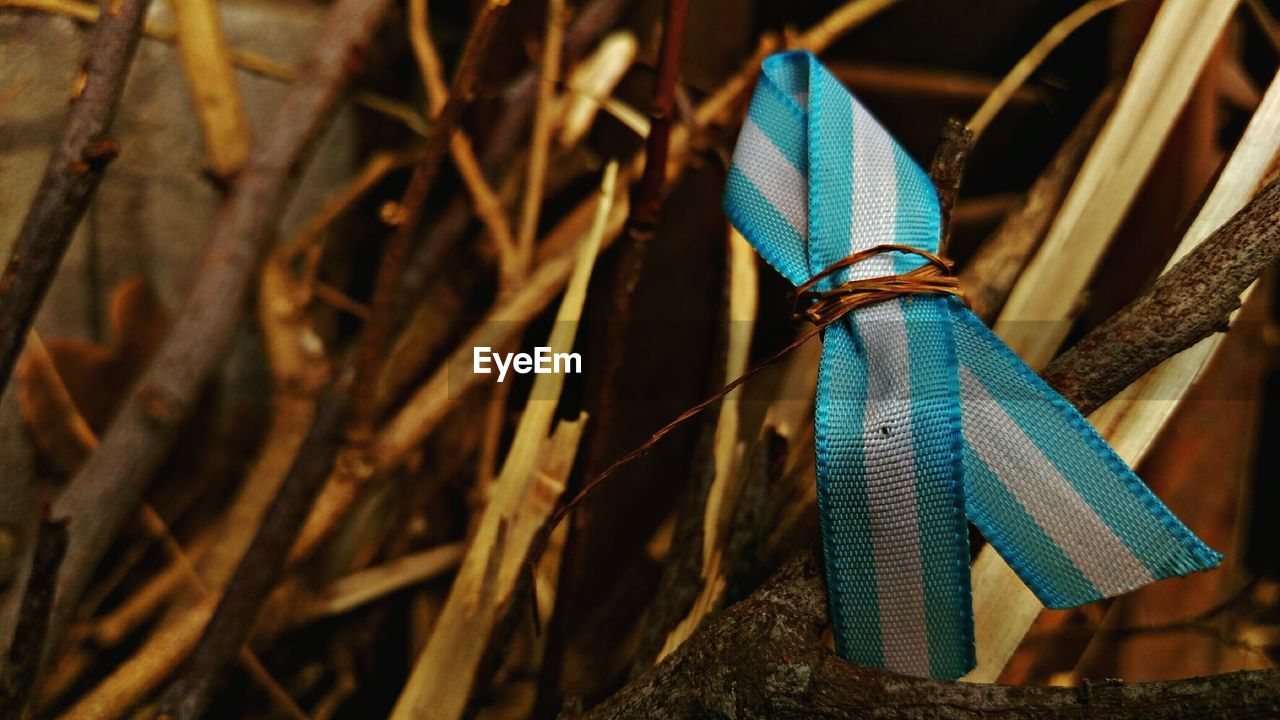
<point>366,586</point>
<point>910,82</point>
<point>523,497</point>
<point>1038,315</point>
<point>989,276</point>
<point>207,63</point>
<point>540,140</point>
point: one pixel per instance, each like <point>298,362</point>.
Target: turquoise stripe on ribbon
<point>924,418</point>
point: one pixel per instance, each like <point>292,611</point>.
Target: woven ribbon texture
<point>924,417</point>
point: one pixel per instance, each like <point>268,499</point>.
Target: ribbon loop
<point>924,418</point>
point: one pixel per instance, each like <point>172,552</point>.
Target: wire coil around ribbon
<point>827,306</point>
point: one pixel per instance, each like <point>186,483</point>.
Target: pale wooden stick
<point>595,78</point>
<point>365,586</point>
<point>207,63</point>
<point>1038,314</point>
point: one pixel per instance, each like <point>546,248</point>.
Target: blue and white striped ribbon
<point>924,417</point>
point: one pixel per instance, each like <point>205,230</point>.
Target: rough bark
<point>766,658</point>
<point>1190,302</point>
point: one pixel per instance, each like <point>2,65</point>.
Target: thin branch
<point>260,569</point>
<point>1034,58</point>
<point>540,142</point>
<point>1190,302</point>
<point>83,150</point>
<point>106,490</point>
<point>382,317</point>
<point>488,205</point>
<point>946,171</point>
<point>22,668</point>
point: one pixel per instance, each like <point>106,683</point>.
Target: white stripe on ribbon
<point>890,460</point>
<point>1056,506</point>
<point>786,189</point>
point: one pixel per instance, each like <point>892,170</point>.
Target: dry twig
<point>21,670</point>
<point>382,317</point>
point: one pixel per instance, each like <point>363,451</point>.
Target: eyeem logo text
<point>541,362</point>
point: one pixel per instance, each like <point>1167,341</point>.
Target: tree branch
<point>1190,302</point>
<point>75,167</point>
<point>765,658</point>
<point>260,569</point>
<point>22,669</point>
<point>947,170</point>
